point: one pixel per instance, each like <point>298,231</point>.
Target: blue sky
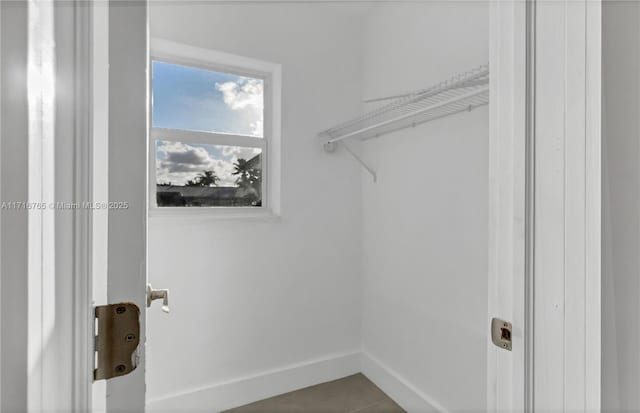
<point>201,100</point>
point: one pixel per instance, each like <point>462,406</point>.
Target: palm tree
<point>248,180</point>
<point>247,175</point>
<point>206,178</point>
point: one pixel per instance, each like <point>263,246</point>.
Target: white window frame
<point>207,59</point>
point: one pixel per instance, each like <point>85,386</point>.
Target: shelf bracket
<point>332,146</point>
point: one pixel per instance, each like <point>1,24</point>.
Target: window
<point>213,131</point>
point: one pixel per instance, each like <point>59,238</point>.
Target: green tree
<point>246,174</point>
<point>206,178</point>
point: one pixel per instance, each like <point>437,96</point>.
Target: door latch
<point>117,340</point>
<point>501,333</point>
<point>157,295</point>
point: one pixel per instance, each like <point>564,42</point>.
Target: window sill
<point>216,213</point>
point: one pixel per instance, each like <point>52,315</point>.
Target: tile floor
<point>347,395</point>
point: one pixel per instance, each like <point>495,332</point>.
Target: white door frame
<point>544,264</point>
<point>567,197</point>
<point>42,248</point>
<point>515,80</point>
<point>510,217</point>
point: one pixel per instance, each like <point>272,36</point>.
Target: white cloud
<point>243,94</point>
<point>179,162</point>
<point>246,95</point>
<point>256,127</point>
<point>237,152</point>
<point>180,157</point>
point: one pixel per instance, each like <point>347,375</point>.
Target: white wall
<point>266,294</point>
<point>425,220</point>
<point>252,295</point>
<point>621,206</point>
<point>13,259</point>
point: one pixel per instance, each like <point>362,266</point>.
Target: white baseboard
<point>217,397</point>
<point>395,386</point>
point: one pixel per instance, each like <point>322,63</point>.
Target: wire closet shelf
<point>461,93</point>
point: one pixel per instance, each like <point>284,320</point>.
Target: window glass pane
<point>207,175</point>
<point>189,98</point>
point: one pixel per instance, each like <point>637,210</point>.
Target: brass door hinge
<point>501,333</point>
<point>117,340</point>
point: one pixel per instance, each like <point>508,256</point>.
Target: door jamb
<point>593,207</point>
<point>512,238</point>
<point>83,322</point>
<point>510,203</point>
